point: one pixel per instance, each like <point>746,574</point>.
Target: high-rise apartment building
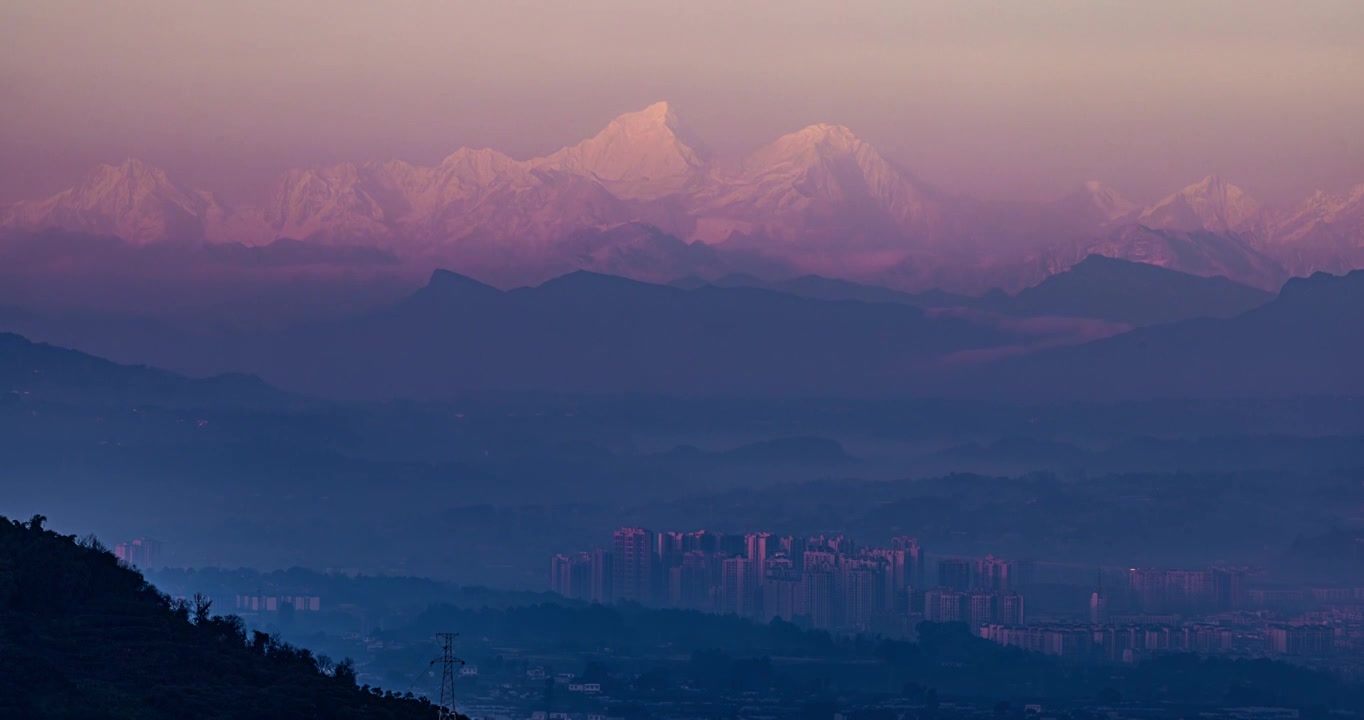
<point>1098,609</point>
<point>817,595</point>
<point>1009,609</point>
<point>756,551</point>
<point>780,594</point>
<point>559,575</point>
<point>954,574</point>
<point>141,553</point>
<point>993,574</point>
<point>860,595</point>
<point>737,591</point>
<point>602,576</point>
<point>914,560</point>
<point>980,609</point>
<point>945,605</point>
<point>632,566</point>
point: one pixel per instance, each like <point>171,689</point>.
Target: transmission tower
<point>447,661</point>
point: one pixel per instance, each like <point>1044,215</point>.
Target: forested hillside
<point>83,636</point>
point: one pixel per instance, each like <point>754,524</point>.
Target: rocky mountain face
<point>811,186</point>
<point>133,201</point>
<point>1210,205</point>
<point>1214,228</point>
<point>816,200</point>
<point>638,156</point>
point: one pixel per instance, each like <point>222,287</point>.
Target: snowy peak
<point>815,185</point>
<point>483,166</point>
<point>809,146</point>
<point>1324,219</point>
<point>1211,204</point>
<point>463,175</point>
<point>130,171</point>
<point>133,200</point>
<point>637,156</point>
<point>1099,202</point>
<point>1088,210</point>
<point>660,114</point>
<point>114,186</point>
<point>336,201</point>
<point>1326,206</point>
<point>818,200</point>
<point>1196,252</point>
<point>826,137</point>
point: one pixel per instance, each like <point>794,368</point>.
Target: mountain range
<point>42,372</point>
<point>1098,288</point>
<point>640,199</point>
<point>588,333</point>
<point>1308,341</point>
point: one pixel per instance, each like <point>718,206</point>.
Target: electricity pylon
<point>448,661</point>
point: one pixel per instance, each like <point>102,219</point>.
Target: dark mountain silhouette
<point>1220,453</point>
<point>585,332</point>
<point>44,372</point>
<point>1129,292</point>
<point>808,450</point>
<point>1097,287</point>
<point>818,287</point>
<point>1307,341</point>
<point>823,288</point>
<point>84,636</point>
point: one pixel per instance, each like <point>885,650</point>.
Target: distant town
<point>1086,613</point>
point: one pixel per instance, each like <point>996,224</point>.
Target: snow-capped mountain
<point>816,200</point>
<point>1212,204</point>
<point>133,201</point>
<point>817,185</point>
<point>474,197</point>
<point>1196,252</point>
<point>1096,204</point>
<point>341,204</point>
<point>1208,228</point>
<point>1324,233</point>
<point>638,156</point>
<point>1090,210</point>
<point>517,216</point>
<point>1324,220</point>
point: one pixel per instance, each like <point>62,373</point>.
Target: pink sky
<point>998,99</point>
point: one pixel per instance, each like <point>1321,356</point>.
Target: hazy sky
<point>1017,99</point>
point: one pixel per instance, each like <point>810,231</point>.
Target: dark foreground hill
<point>82,636</point>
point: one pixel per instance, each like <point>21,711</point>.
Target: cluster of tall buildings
<point>273,603</point>
<point>977,607</point>
<point>142,553</point>
<point>823,582</point>
<point>1187,591</point>
<point>1174,593</point>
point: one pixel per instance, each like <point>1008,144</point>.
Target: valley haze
<point>615,360</point>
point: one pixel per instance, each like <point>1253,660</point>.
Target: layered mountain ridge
<point>816,200</point>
